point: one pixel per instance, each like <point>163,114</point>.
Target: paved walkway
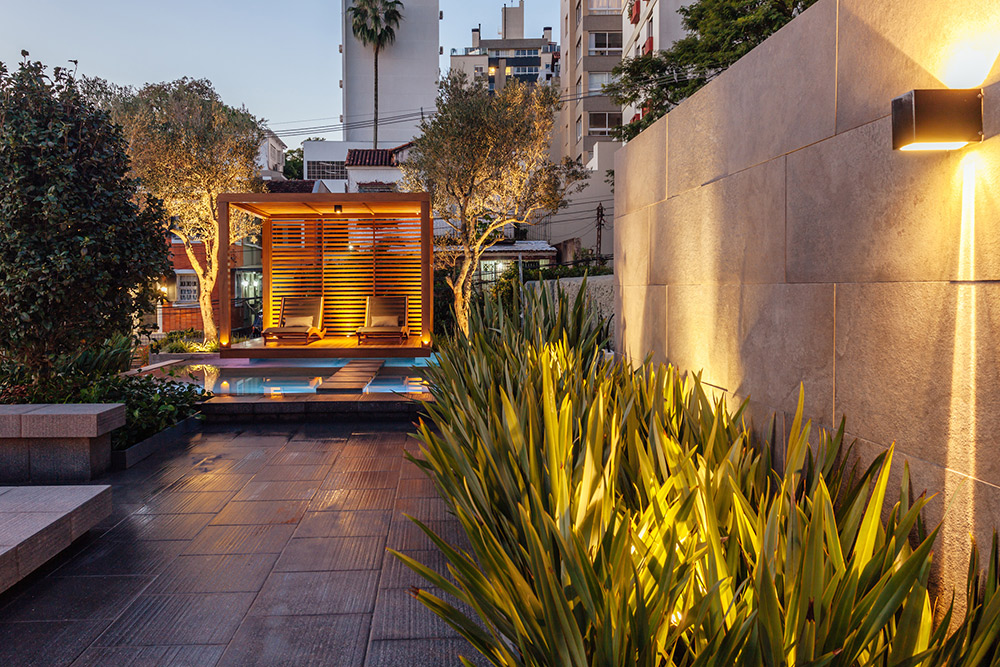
<point>246,546</point>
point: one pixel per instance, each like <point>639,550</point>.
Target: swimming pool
<point>291,379</point>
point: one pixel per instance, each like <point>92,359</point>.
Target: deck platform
<point>329,348</point>
<point>37,522</point>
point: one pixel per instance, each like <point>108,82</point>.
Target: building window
<point>187,288</point>
<point>579,87</point>
<point>524,71</point>
<point>336,170</point>
<point>605,6</point>
<point>498,53</point>
<point>579,11</point>
<point>579,128</point>
<point>601,122</point>
<point>521,53</point>
<point>579,49</point>
<point>478,70</point>
<point>595,81</point>
<point>605,44</point>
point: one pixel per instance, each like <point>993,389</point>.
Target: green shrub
<point>622,517</point>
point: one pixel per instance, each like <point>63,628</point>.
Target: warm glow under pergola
<point>343,247</point>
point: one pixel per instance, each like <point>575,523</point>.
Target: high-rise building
<point>648,26</point>
<point>510,57</point>
<point>407,71</point>
<point>591,47</point>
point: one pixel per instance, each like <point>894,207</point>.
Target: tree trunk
<point>462,288</point>
<point>207,312</point>
<point>375,126</point>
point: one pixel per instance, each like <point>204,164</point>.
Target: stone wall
<point>767,234</point>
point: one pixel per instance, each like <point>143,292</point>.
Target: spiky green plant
<point>621,517</point>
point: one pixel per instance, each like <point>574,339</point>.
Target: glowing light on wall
<point>970,62</point>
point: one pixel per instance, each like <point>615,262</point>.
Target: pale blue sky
<point>279,59</point>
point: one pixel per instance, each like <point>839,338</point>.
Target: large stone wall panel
<point>889,47</point>
<point>917,365</point>
<point>643,329</point>
<point>860,212</point>
<point>757,341</point>
<point>731,231</point>
<point>776,99</point>
<point>641,169</point>
<point>632,248</point>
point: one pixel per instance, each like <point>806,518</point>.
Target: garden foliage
<point>621,517</point>
<point>80,246</point>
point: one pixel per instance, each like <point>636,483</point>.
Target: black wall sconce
<point>937,120</point>
<point>338,208</point>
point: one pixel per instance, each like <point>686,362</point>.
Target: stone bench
<point>57,443</point>
<point>37,522</point>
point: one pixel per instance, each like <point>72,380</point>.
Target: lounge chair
<point>385,317</point>
<point>299,321</point>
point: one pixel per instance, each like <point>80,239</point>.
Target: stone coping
<point>314,406</point>
<point>61,420</point>
<point>37,522</point>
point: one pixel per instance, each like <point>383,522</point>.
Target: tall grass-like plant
<point>621,517</point>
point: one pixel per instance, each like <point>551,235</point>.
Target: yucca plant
<point>621,517</point>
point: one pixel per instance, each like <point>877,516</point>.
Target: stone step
<point>37,522</point>
<point>352,378</point>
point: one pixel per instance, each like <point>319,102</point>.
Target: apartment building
<point>512,56</point>
<point>648,26</point>
<point>591,47</point>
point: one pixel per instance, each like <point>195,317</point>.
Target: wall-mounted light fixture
<point>338,208</point>
<point>937,120</point>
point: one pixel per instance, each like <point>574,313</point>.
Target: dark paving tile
<point>156,620</point>
<point>379,437</point>
<point>74,598</point>
<point>398,615</point>
<point>423,509</point>
<point>320,554</point>
<point>422,653</point>
<point>241,539</point>
<point>396,574</point>
<point>160,527</point>
<point>353,499</point>
<point>417,488</point>
<point>307,593</point>
<point>278,490</point>
<point>212,482</point>
<point>410,470</point>
<point>231,573</point>
<point>373,479</point>
<point>260,513</point>
<point>150,656</point>
<point>187,503</point>
<point>404,535</point>
<point>46,643</point>
<point>293,473</point>
<point>259,441</point>
<point>364,463</point>
<point>328,641</point>
<point>344,524</point>
<point>329,445</point>
<point>107,557</point>
<point>308,458</point>
<point>371,450</point>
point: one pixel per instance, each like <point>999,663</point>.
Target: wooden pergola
<point>344,248</point>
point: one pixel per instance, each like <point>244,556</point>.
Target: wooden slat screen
<point>346,261</point>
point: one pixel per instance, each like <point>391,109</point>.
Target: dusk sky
<point>279,59</point>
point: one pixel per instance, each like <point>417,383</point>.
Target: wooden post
<point>426,271</point>
<point>225,300</point>
<point>265,251</point>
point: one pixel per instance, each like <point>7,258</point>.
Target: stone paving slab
<point>260,544</point>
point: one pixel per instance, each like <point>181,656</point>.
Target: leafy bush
<point>80,244</point>
<point>625,518</point>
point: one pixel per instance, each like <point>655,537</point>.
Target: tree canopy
<point>188,147</point>
<point>484,157</point>
<point>81,245</point>
<point>719,32</point>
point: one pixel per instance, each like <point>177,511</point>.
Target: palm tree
<point>374,24</point>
